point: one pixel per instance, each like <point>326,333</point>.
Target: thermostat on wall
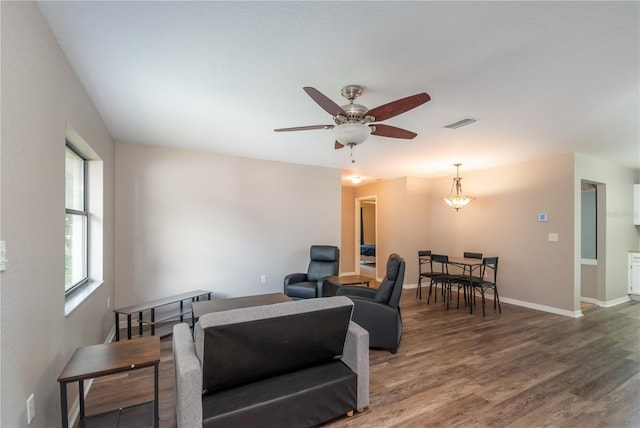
<point>542,217</point>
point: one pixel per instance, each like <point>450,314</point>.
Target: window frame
<point>84,213</point>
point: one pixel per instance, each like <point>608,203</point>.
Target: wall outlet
<point>263,278</point>
<point>553,237</point>
<point>31,408</point>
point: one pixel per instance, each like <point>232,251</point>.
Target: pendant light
<point>457,200</point>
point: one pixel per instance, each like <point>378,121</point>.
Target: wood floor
<point>521,368</point>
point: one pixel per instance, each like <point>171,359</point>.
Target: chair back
<point>444,263</point>
<point>424,258</point>
<point>390,289</point>
<point>489,270</point>
<point>325,261</point>
<point>468,255</point>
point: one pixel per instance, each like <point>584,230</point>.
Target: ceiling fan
<point>355,122</point>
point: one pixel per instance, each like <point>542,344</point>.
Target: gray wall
<point>192,220</point>
<point>40,95</point>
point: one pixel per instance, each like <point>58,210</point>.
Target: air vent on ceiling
<point>461,123</point>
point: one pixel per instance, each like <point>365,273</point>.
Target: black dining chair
<point>463,280</point>
<point>425,271</point>
<point>487,280</point>
<point>441,276</point>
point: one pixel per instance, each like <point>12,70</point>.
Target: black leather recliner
<point>325,261</point>
<point>378,310</point>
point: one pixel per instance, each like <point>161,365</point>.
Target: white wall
<point>40,94</point>
<point>192,220</point>
<point>620,234</point>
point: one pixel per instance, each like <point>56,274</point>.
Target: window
<point>76,221</point>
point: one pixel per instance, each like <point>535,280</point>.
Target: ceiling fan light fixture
<point>356,179</point>
<point>351,133</point>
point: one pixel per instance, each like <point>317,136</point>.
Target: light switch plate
<point>31,408</point>
<point>3,256</point>
<point>553,237</point>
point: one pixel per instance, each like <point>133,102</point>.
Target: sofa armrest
<point>356,356</point>
<point>188,378</point>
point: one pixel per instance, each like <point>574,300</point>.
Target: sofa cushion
<point>280,338</point>
<point>303,398</point>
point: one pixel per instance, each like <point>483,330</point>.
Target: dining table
<point>468,266</point>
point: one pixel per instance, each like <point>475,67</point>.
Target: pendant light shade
<point>457,200</point>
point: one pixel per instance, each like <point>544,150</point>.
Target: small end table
<point>331,284</point>
<point>105,359</point>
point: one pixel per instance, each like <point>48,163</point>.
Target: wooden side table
<point>152,306</point>
<point>332,283</point>
<point>105,359</point>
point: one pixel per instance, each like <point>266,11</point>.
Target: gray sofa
<point>292,364</point>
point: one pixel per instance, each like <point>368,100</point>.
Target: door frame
<point>357,230</point>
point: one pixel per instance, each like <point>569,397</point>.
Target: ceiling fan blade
<point>323,101</point>
<point>305,128</point>
<point>394,108</point>
<point>392,131</point>
<point>338,145</point>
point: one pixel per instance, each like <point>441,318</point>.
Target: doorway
<point>366,228</point>
<point>592,254</point>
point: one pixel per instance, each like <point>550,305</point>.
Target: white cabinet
<point>636,204</point>
<point>634,273</point>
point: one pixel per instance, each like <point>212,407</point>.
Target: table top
<point>468,261</point>
<point>108,358</point>
<point>219,305</point>
<point>350,279</point>
<point>160,302</point>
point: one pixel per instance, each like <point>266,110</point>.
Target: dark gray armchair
<point>325,261</point>
<point>378,310</point>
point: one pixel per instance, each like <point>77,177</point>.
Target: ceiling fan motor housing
<point>355,114</point>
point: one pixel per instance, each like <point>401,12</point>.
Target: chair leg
<point>419,289</point>
<point>496,298</point>
<point>472,298</point>
<point>482,292</point>
<point>447,295</point>
<point>433,284</point>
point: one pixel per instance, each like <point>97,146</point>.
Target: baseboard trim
<point>74,411</point>
<point>608,303</point>
<point>543,308</point>
<point>614,302</point>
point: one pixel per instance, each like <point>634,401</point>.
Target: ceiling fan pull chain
<point>351,146</point>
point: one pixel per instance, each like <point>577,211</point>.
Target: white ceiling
<point>541,78</point>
